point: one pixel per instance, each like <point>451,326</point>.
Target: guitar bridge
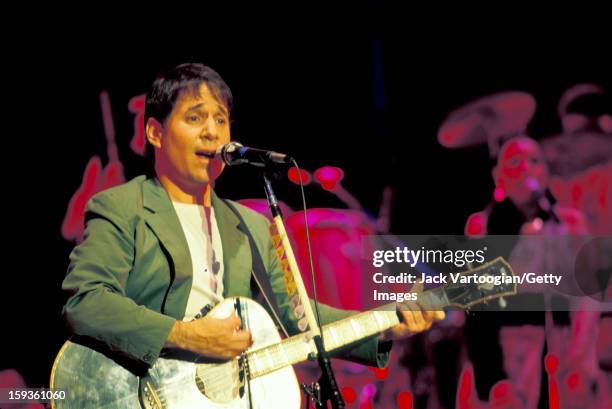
<point>244,375</point>
<point>149,397</point>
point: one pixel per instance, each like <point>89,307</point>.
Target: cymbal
<point>487,119</point>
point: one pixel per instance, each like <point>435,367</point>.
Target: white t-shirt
<point>206,256</point>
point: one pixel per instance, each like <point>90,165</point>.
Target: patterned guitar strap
<point>260,284</point>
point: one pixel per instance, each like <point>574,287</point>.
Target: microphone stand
<point>325,389</point>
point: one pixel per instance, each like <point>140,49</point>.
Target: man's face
<point>521,170</point>
<point>196,127</point>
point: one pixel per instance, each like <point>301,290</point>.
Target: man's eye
<point>193,118</point>
<point>221,121</point>
<point>513,162</point>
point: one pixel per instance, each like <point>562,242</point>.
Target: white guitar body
<point>90,379</point>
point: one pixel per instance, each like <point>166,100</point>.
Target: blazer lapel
<point>237,261</point>
<point>162,219</point>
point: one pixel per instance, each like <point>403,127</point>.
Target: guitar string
<point>276,351</point>
<point>278,355</point>
<point>218,369</point>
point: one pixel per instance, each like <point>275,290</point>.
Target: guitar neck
<point>336,335</point>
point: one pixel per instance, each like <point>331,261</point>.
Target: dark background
<point>364,88</point>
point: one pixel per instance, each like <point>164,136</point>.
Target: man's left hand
<point>414,319</point>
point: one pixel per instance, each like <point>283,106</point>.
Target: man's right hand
<point>211,337</point>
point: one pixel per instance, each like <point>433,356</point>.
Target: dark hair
<point>185,77</point>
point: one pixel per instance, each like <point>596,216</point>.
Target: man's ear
<point>154,131</point>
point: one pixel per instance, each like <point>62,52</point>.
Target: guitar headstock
<point>465,295</point>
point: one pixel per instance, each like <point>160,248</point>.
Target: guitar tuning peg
<point>502,302</point>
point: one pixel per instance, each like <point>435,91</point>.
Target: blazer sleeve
<point>97,305</point>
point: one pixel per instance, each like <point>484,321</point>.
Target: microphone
<point>234,153</point>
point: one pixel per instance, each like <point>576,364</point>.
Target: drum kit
<point>579,158</point>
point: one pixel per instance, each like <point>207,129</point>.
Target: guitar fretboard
<point>335,335</point>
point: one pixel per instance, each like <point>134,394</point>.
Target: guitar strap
<point>260,284</point>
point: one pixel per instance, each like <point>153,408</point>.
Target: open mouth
<point>209,155</point>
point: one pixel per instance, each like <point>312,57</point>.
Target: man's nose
<point>210,130</point>
<point>524,165</point>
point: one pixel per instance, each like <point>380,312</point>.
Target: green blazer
<point>130,278</point>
